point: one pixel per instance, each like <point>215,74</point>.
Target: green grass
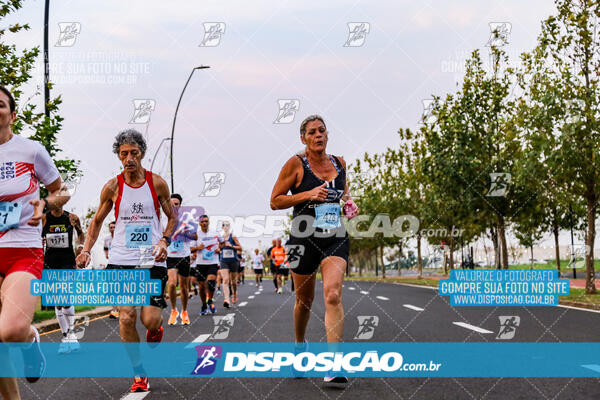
<point>40,315</point>
<point>579,296</point>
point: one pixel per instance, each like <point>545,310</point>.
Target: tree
<point>562,101</point>
<point>15,71</point>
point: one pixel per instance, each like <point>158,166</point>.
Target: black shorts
<point>305,254</point>
<point>182,264</point>
<point>232,266</point>
<point>203,271</point>
<point>258,271</point>
<point>156,272</point>
<point>274,270</point>
<point>284,271</point>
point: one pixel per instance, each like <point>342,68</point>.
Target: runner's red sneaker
<point>140,384</point>
<point>155,337</point>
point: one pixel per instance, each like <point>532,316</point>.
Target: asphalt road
<point>404,313</point>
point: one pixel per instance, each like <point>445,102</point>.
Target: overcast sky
<point>269,51</point>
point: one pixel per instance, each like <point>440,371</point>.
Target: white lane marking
<point>418,286</point>
<point>579,308</point>
<point>256,292</point>
<point>351,288</point>
<point>242,304</point>
<point>363,292</point>
<point>199,339</point>
<point>382,298</point>
<point>135,396</point>
<point>413,307</point>
<point>250,297</point>
<point>472,327</point>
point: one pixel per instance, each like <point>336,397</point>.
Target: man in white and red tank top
<point>138,242</point>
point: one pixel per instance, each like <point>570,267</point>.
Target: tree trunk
<point>494,235</point>
<point>419,259</point>
<point>590,279</point>
<point>556,249</point>
<point>451,252</point>
<point>531,259</point>
<point>502,241</point>
<point>382,262</point>
<point>361,258</point>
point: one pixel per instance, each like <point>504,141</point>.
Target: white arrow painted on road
<point>363,292</point>
<point>352,288</point>
<point>593,367</point>
<point>472,327</point>
<point>242,304</point>
<point>135,396</point>
<point>382,298</point>
<point>256,292</point>
<point>413,307</point>
<point>199,339</point>
<point>250,297</point>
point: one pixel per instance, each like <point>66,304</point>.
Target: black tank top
<point>58,232</point>
<point>310,181</point>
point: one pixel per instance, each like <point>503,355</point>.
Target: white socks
<point>66,318</point>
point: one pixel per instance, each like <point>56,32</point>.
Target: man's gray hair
<point>308,119</point>
<point>129,136</point>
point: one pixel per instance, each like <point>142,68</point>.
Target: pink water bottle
<point>350,209</point>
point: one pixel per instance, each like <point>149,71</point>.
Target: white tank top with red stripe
<point>137,226</point>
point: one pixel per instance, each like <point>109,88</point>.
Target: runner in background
<point>57,232</point>
<point>272,267</point>
<point>114,313</point>
<point>229,263</point>
<point>178,261</point>
<point>207,263</point>
<point>278,256</point>
<point>242,269</point>
<point>257,265</point>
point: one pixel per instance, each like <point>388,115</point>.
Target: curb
<point>52,324</point>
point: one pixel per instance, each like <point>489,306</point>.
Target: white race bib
<point>57,240</point>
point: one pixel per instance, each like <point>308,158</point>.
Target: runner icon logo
<point>499,32</point>
<point>499,184</point>
<point>68,33</point>
<point>223,325</point>
<point>212,184</point>
<point>142,110</point>
<point>357,33</point>
<point>428,106</point>
<point>294,253</point>
<point>366,326</point>
<point>212,34</point>
<point>79,326</point>
<point>508,327</point>
<point>287,111</point>
<point>207,359</point>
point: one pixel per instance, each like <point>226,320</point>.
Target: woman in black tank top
<point>317,182</point>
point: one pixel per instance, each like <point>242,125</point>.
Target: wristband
<point>167,239</point>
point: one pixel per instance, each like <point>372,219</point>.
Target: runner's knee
<point>18,331</point>
<point>212,285</point>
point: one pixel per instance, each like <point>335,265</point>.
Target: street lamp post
<point>175,119</point>
<point>46,60</point>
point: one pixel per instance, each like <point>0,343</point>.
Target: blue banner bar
<point>222,359</point>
